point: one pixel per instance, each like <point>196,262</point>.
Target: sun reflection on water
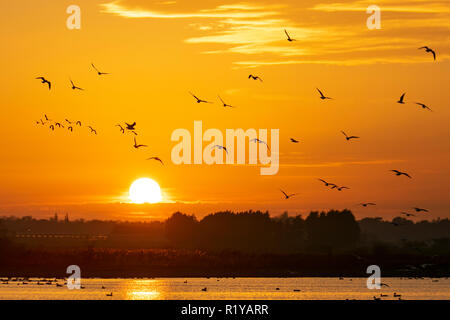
<point>142,290</point>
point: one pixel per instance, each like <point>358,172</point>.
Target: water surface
<point>229,288</point>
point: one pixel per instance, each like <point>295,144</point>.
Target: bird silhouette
<point>340,188</point>
<point>399,173</point>
<point>46,118</point>
<point>52,127</point>
<point>121,128</point>
<point>407,214</point>
<point>43,80</point>
<point>255,77</point>
<point>225,104</point>
<point>74,87</point>
<point>93,130</point>
<point>288,37</point>
<point>137,146</point>
<point>157,159</point>
<point>287,196</point>
<point>322,96</point>
<point>131,126</point>
<point>69,122</point>
<point>420,209</point>
<point>294,141</point>
<point>327,183</point>
<point>256,140</point>
<point>220,147</point>
<point>59,125</point>
<point>427,49</point>
<point>78,123</point>
<point>402,98</point>
<point>70,128</point>
<point>348,138</point>
<point>365,204</point>
<point>198,99</point>
<point>423,106</point>
<point>98,72</point>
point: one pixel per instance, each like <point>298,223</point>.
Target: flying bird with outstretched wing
<point>220,147</point>
<point>287,196</point>
<point>74,87</point>
<point>198,99</point>
<point>322,96</point>
<point>43,80</point>
<point>98,71</point>
<point>402,99</point>
<point>427,49</point>
<point>255,77</point>
<point>225,104</point>
<point>157,159</point>
<point>423,106</point>
<point>288,36</point>
<point>348,138</point>
<point>400,173</point>
<point>137,146</point>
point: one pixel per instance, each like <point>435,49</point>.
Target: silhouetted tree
<point>182,230</point>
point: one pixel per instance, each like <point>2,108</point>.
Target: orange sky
<point>158,51</point>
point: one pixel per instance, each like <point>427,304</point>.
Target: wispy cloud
<point>254,29</point>
<point>414,6</point>
<point>237,11</point>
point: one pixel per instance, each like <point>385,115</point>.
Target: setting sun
<point>145,190</point>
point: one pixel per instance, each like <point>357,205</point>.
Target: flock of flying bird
<point>131,127</point>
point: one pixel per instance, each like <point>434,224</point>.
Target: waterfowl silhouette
<point>137,146</point>
<point>294,141</point>
<point>98,72</point>
<point>157,159</point>
<point>288,36</point>
<point>399,173</point>
<point>423,106</point>
<point>225,104</point>
<point>327,183</point>
<point>365,204</point>
<point>420,209</point>
<point>121,128</point>
<point>322,96</point>
<point>43,80</point>
<point>198,99</point>
<point>348,138</point>
<point>427,49</point>
<point>287,196</point>
<point>92,130</point>
<point>220,147</point>
<point>256,140</point>
<point>255,77</point>
<point>402,98</point>
<point>74,87</point>
<point>131,126</point>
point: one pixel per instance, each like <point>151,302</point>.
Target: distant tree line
<point>257,231</point>
<point>250,231</point>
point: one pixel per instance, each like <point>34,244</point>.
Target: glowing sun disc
<point>145,190</point>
